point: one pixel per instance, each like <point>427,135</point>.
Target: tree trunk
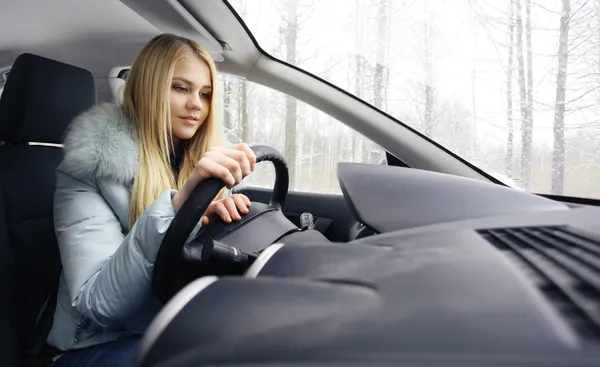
<point>525,142</point>
<point>473,142</point>
<point>382,45</point>
<point>429,92</point>
<point>358,75</point>
<point>527,134</point>
<point>558,156</point>
<point>245,124</point>
<point>335,152</point>
<point>227,104</point>
<point>312,150</point>
<point>358,92</point>
<point>291,104</point>
<point>529,60</point>
<point>380,88</point>
<point>428,114</point>
<point>509,104</point>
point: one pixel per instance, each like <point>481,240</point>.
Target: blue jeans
<point>119,353</point>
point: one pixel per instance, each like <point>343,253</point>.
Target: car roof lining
<point>95,35</point>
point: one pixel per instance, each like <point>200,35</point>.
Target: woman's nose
<point>194,103</point>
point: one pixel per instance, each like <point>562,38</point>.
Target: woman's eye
<point>179,88</point>
<point>205,94</point>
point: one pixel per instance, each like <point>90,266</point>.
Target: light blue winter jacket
<point>104,291</point>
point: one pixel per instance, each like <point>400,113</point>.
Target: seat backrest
<point>40,99</point>
<point>117,86</point>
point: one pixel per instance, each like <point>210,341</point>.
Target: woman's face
<point>191,90</point>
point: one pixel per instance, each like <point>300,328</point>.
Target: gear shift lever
<point>216,251</point>
<point>307,221</point>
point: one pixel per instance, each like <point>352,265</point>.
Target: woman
<point>127,170</point>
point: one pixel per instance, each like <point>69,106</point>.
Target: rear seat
<point>40,99</point>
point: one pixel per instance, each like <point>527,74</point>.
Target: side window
<point>312,142</point>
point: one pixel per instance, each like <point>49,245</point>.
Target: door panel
<point>321,206</point>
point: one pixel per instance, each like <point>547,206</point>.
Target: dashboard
<point>445,271</point>
<point>385,198</point>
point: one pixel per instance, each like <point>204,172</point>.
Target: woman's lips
<point>189,120</point>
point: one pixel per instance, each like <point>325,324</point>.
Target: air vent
<point>564,263</point>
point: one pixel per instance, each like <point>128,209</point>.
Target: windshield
<point>511,86</point>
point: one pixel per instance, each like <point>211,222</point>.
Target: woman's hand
<point>229,164</point>
<point>228,209</point>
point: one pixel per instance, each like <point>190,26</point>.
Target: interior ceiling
<point>93,34</point>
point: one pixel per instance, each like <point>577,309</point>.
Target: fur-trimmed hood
<point>102,143</point>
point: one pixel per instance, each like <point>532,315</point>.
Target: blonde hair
<point>146,102</point>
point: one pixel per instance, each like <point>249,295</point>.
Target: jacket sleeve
<point>108,273</point>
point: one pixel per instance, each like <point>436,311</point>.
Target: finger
<point>232,165</point>
<point>222,212</point>
<point>245,198</point>
<point>240,204</point>
<point>245,165</point>
<point>240,157</point>
<point>249,154</point>
<point>205,220</point>
<point>210,210</point>
<point>231,208</point>
<point>211,167</point>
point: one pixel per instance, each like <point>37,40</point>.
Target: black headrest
<point>41,98</point>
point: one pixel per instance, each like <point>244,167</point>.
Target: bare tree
<point>227,105</point>
<point>290,35</point>
<point>558,156</point>
<point>528,133</point>
<point>597,68</point>
<point>456,128</point>
<point>492,19</point>
<point>473,144</point>
<point>359,71</point>
<point>244,125</point>
<point>244,121</point>
<point>525,128</point>
<point>509,97</point>
<point>383,37</point>
<point>380,74</point>
<point>426,48</point>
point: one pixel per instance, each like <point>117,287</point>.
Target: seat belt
<point>38,353</point>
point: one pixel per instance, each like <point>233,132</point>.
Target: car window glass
<point>311,141</point>
<point>511,86</point>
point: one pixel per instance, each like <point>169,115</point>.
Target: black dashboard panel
<point>520,290</point>
<point>387,198</point>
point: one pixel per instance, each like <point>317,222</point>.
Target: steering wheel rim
<point>195,206</point>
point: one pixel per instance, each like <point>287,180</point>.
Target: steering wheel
<point>170,255</point>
